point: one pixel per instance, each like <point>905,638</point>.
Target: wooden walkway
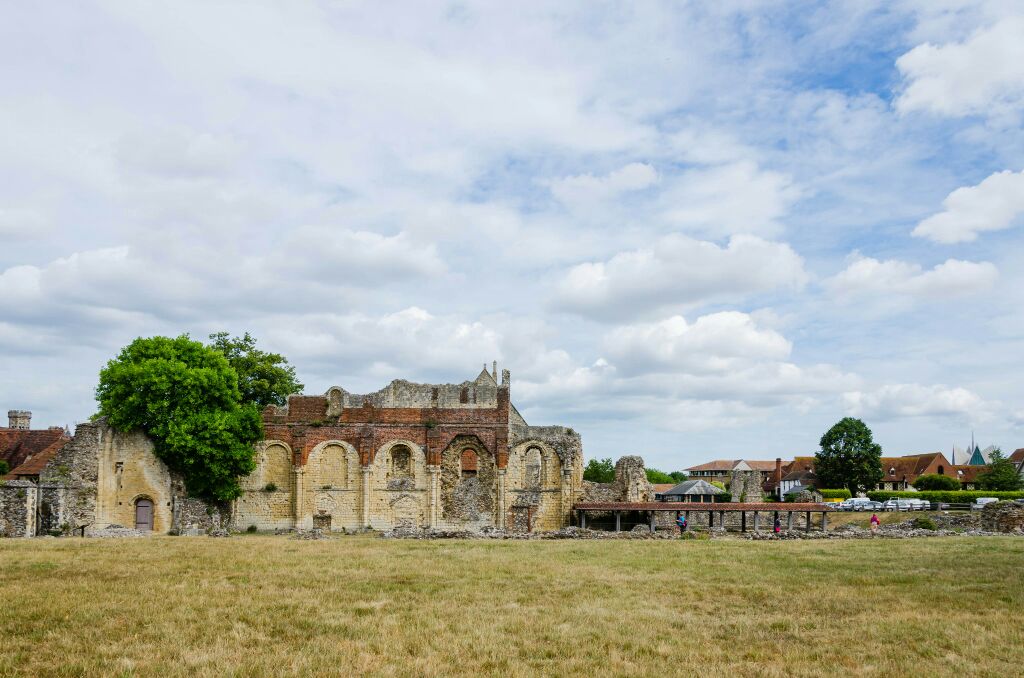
<point>686,508</point>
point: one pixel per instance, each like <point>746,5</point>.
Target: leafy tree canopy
<point>185,396</point>
<point>933,481</point>
<point>1000,474</point>
<point>599,471</point>
<point>849,457</point>
<point>263,378</point>
<point>658,477</point>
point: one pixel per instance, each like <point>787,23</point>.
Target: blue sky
<point>690,230</point>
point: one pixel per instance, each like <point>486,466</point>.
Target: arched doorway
<point>144,514</point>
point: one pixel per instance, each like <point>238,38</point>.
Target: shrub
<point>5,468</point>
<point>251,529</point>
<point>701,536</point>
<point>957,497</point>
<point>270,487</point>
<point>924,523</point>
<point>933,481</point>
<point>835,494</point>
<point>600,471</point>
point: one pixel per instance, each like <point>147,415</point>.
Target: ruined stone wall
<point>467,502</point>
<point>745,486</point>
<point>268,492</point>
<point>69,485</point>
<point>17,508</point>
<point>631,479</point>
<point>331,487</point>
<point>399,492</point>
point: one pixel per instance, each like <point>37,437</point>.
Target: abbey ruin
<point>409,456</point>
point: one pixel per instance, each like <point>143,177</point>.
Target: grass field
<point>260,605</point>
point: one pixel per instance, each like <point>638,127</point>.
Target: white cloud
<point>585,188</point>
<point>982,73</point>
<point>892,279</point>
<point>897,401</point>
<point>22,224</point>
<point>679,271</point>
<point>738,197</point>
<point>997,203</point>
<point>715,343</point>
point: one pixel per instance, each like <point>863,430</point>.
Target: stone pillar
<point>789,521</point>
<point>366,496</point>
<point>824,522</point>
<point>434,474</point>
<point>807,527</point>
<point>721,520</point>
<point>743,521</point>
<point>583,520</point>
<point>618,521</point>
<point>757,521</point>
<point>653,525</point>
<point>500,522</point>
<point>297,497</point>
<point>566,496</point>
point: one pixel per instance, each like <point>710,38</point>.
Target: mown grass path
<point>257,605</point>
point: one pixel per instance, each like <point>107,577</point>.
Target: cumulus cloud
<point>897,401</point>
<point>997,203</point>
<point>719,342</point>
<point>679,271</point>
<point>981,73</point>
<point>892,278</point>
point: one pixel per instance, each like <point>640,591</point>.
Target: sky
<point>690,230</point>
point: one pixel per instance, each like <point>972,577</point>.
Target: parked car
<point>896,505</point>
<point>859,504</point>
<point>981,502</point>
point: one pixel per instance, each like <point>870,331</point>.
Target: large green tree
<point>185,396</point>
<point>660,477</point>
<point>263,378</point>
<point>1000,474</point>
<point>599,471</point>
<point>849,457</point>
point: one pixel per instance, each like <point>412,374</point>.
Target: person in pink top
<point>874,522</point>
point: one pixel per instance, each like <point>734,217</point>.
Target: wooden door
<point>144,515</point>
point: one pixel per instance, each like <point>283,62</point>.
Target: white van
<point>981,502</point>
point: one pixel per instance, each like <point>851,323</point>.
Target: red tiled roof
<point>910,466</point>
<point>965,473</point>
<point>727,464</point>
<point>662,487</point>
<point>1017,456</point>
<point>34,465</point>
<point>18,445</point>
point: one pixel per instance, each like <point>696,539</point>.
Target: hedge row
<point>947,497</point>
<point>835,494</point>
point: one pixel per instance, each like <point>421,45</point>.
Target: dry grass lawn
<point>268,606</point>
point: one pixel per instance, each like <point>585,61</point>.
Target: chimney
<point>19,419</point>
<point>494,370</point>
<point>778,471</point>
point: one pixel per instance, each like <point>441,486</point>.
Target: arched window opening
<point>532,470</point>
<point>469,464</point>
<point>942,471</point>
<point>401,462</point>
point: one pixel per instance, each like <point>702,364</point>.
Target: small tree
<point>679,476</point>
<point>849,457</point>
<point>599,471</point>
<point>185,396</point>
<point>5,468</point>
<point>263,378</point>
<point>656,476</point>
<point>933,481</point>
<point>1000,474</point>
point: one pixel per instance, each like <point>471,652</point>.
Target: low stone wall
<point>17,508</point>
<point>1003,516</point>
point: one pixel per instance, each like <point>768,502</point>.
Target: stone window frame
<point>382,459</point>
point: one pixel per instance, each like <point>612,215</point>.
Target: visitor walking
<point>778,525</point>
<point>681,522</point>
<point>874,522</point>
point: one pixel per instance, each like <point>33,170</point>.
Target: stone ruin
<point>745,484</point>
<point>630,484</point>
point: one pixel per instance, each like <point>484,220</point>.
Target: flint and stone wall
<point>17,508</point>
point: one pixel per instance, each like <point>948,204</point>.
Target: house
<point>720,470</point>
<point>699,491</point>
<point>27,450</point>
<point>1018,458</point>
<point>899,473</point>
